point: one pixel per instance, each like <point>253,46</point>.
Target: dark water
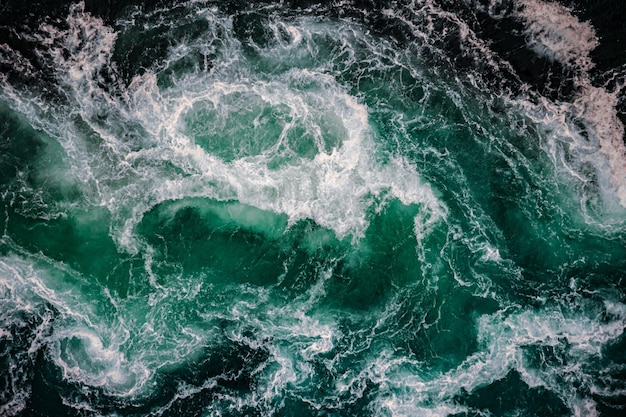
<point>347,208</point>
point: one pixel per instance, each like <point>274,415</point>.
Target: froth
<point>92,363</point>
<point>15,60</point>
<point>334,188</point>
<point>597,108</point>
<point>16,308</point>
<point>75,342</point>
<point>584,134</point>
<point>294,337</point>
<point>398,407</point>
<point>337,178</point>
<point>583,337</point>
<point>333,181</point>
<point>505,340</point>
<point>555,32</point>
<point>589,123</point>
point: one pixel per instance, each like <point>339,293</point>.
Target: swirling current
<point>312,208</point>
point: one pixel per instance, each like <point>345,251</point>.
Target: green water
<point>277,213</point>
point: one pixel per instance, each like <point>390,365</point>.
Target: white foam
<point>15,308</point>
<point>573,151</point>
<point>24,304</point>
<point>335,187</point>
<point>76,342</point>
<point>405,407</point>
<point>405,388</point>
<point>497,9</point>
<point>294,35</point>
<point>507,337</point>
<point>292,335</point>
<point>597,108</point>
<point>92,363</point>
<point>553,31</point>
<point>15,60</point>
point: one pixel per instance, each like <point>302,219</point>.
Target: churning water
<point>311,209</point>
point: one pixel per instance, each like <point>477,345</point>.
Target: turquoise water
<point>278,211</point>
